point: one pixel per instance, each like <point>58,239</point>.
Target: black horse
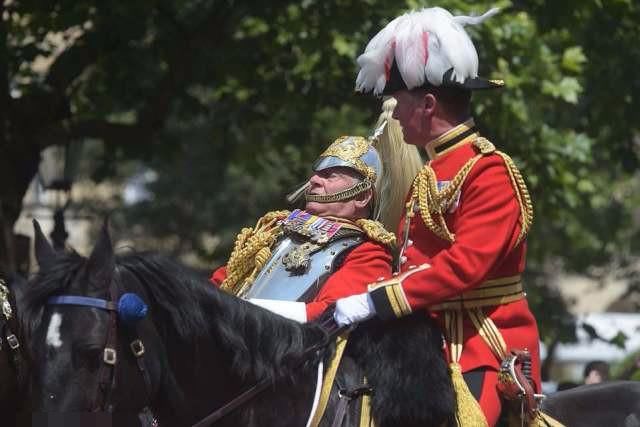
<point>14,402</point>
<point>610,404</point>
<point>198,347</point>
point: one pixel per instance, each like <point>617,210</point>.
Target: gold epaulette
<point>251,251</point>
<point>375,231</point>
<point>434,203</point>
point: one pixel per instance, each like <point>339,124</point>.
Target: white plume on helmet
<point>425,45</point>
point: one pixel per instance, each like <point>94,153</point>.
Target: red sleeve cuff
<point>218,276</point>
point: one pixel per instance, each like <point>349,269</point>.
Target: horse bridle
<point>8,330</point>
<point>107,371</point>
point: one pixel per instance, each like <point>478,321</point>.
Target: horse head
<point>88,337</point>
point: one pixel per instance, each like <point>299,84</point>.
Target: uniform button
<point>403,259</point>
<point>409,242</point>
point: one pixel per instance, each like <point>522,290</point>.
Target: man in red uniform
<point>468,211</point>
<point>299,263</point>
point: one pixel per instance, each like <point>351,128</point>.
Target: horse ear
<point>101,261</point>
<point>45,253</point>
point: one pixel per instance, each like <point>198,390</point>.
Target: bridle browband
<point>122,310</point>
<point>83,302</point>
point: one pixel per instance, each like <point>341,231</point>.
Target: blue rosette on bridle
<point>131,308</point>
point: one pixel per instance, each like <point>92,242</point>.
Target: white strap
<point>293,310</point>
<point>316,396</point>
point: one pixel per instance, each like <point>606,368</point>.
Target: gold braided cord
<point>251,251</point>
<point>468,412</point>
<point>366,420</point>
<point>434,204</point>
<point>522,194</point>
<point>375,231</point>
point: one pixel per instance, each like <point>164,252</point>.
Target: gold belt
<point>490,293</point>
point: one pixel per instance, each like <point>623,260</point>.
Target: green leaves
<point>567,89</point>
<point>573,59</point>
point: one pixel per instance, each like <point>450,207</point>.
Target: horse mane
<point>262,343</point>
<point>186,306</point>
<point>174,291</point>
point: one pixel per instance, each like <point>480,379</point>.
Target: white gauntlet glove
<point>293,310</point>
<point>353,309</point>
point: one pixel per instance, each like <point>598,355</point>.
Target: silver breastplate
<point>298,268</point>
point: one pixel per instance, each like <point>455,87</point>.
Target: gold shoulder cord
<point>433,204</point>
<point>375,231</point>
<point>251,251</point>
<point>524,200</point>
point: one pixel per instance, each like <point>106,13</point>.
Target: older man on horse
<point>298,263</point>
<point>467,216</point>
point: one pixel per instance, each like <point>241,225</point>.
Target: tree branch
<point>72,62</point>
<point>180,63</point>
<point>109,133</point>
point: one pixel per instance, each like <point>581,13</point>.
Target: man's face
<point>410,112</point>
<point>594,377</point>
<point>330,181</point>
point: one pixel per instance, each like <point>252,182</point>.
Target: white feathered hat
<point>422,48</point>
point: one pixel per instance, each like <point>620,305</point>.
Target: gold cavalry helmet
<point>353,152</point>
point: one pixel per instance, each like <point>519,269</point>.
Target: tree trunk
<point>545,368</point>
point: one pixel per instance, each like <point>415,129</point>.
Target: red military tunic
<point>362,266</point>
<point>486,222</point>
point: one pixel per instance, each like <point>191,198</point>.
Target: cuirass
<point>298,267</point>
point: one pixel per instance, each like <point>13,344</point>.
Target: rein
<point>129,309</point>
<point>263,384</point>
